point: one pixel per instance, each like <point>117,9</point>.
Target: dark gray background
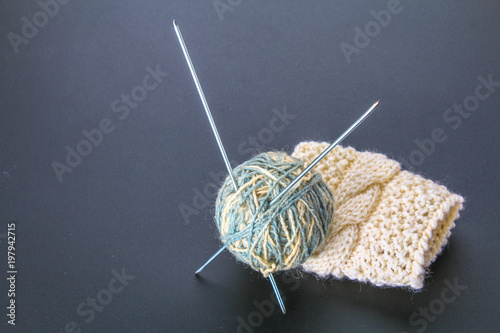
<point>121,207</point>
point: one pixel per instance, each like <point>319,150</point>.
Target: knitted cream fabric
<point>389,225</point>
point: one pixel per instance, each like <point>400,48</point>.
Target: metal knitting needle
<point>326,151</point>
<point>210,260</point>
<point>204,101</point>
<point>212,124</point>
<point>271,279</point>
<point>222,150</point>
<point>313,163</point>
<point>277,293</point>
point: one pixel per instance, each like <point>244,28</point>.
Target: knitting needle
<point>325,152</point>
<point>210,260</point>
<point>210,119</point>
<point>277,293</point>
<point>222,150</point>
<point>271,279</point>
<point>204,101</point>
<point>212,124</point>
<point>313,163</point>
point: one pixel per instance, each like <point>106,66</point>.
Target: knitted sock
<point>389,225</point>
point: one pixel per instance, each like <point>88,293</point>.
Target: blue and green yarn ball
<point>271,238</point>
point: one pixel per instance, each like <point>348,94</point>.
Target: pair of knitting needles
<point>290,186</point>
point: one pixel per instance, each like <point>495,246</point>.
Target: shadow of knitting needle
<point>295,182</point>
<point>221,148</point>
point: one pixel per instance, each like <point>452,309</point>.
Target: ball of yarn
<point>281,236</point>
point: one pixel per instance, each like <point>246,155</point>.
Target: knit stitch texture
<point>389,225</point>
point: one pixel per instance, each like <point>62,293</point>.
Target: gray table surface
<point>109,241</point>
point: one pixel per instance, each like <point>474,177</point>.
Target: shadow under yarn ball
<point>271,238</point>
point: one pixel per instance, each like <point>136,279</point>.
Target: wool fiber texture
<point>271,238</point>
<point>389,224</point>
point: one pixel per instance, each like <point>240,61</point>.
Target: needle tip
<point>175,23</point>
<point>377,103</point>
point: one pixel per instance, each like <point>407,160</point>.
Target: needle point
<point>205,104</point>
<point>325,152</point>
<point>277,293</point>
<point>210,260</point>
